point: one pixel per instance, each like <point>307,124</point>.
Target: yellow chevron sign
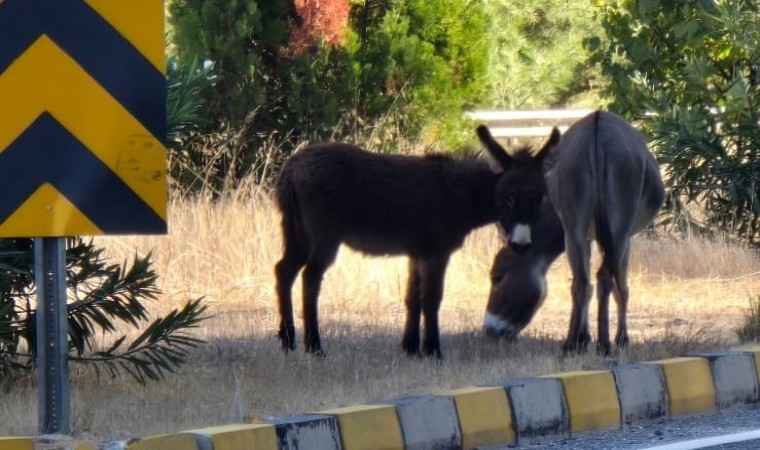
<point>82,117</point>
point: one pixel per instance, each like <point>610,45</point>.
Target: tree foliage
<point>101,296</point>
<point>307,70</point>
<point>537,57</point>
<point>688,70</point>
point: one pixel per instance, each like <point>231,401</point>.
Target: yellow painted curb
<point>485,416</point>
<point>84,445</point>
<point>16,443</point>
<point>689,383</point>
<point>165,442</point>
<point>592,399</point>
<point>239,436</point>
<point>367,427</point>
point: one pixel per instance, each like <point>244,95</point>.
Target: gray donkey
<point>604,185</point>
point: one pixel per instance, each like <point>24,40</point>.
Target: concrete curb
<point>592,400</point>
<point>734,377</point>
<point>163,442</point>
<point>16,443</point>
<point>367,427</point>
<point>642,393</point>
<point>235,437</point>
<point>539,409</point>
<point>428,422</point>
<point>522,410</point>
<point>689,385</point>
<point>308,431</point>
<point>485,416</point>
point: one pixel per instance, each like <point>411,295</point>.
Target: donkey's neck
<point>476,188</point>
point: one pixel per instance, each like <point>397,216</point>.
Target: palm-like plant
<point>102,296</point>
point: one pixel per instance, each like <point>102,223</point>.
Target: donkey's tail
<point>604,236</point>
<point>287,203</point>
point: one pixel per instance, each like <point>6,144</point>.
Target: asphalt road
<point>735,420</point>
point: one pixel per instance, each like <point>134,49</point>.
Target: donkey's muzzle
<point>498,328</point>
<point>519,248</point>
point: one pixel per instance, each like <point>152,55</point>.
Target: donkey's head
<point>518,288</point>
<point>520,189</point>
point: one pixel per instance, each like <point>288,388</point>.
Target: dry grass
<point>686,296</point>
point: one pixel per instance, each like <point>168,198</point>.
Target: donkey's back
<point>384,204</point>
<point>604,172</point>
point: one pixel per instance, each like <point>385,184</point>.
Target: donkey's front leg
<point>621,294</point>
<point>432,282</point>
<point>411,341</point>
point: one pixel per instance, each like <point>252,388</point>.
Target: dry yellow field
<point>687,295</point>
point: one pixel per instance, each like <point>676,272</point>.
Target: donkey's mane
<point>460,154</point>
<point>520,154</point>
<point>523,154</point>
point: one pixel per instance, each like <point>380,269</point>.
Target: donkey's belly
<point>388,244</point>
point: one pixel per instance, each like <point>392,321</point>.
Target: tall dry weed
<point>686,296</point>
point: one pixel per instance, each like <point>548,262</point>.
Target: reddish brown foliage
<point>320,19</point>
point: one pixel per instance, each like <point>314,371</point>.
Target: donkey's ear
<point>551,142</point>
<point>498,155</point>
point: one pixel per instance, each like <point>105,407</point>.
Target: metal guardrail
<point>527,123</point>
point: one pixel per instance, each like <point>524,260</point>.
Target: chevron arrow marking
<point>141,22</point>
<point>96,46</point>
<point>53,158</point>
<point>84,108</point>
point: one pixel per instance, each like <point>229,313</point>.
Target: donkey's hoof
<point>603,349</point>
<point>314,347</point>
<point>621,341</point>
<point>574,347</point>
<point>434,353</point>
<point>411,347</point>
<point>318,353</point>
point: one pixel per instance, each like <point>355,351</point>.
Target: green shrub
<point>687,70</point>
<point>407,68</point>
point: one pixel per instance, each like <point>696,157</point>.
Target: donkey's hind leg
<point>621,294</point>
<point>320,259</point>
<point>604,286</point>
<point>579,254</point>
<point>613,278</point>
<point>286,271</point>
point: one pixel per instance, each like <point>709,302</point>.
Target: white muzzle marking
<point>497,325</point>
<point>521,234</point>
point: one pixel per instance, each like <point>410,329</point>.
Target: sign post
<point>82,130</point>
<point>52,336</point>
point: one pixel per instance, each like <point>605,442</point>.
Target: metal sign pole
<point>52,336</point>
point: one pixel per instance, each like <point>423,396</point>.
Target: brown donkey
<point>422,207</point>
